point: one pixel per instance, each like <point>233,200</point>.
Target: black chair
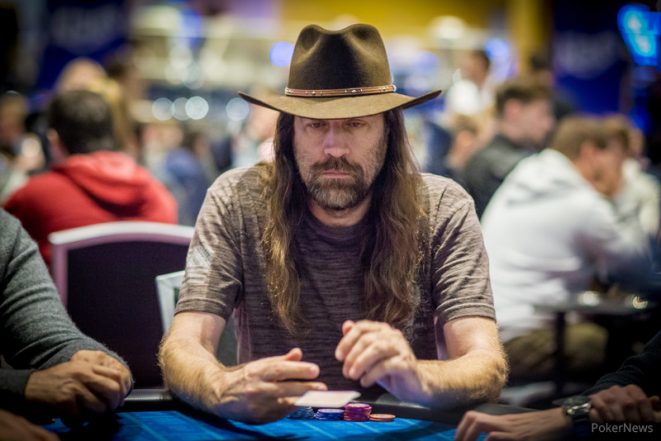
<point>105,276</point>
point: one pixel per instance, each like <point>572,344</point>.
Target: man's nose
<point>335,142</point>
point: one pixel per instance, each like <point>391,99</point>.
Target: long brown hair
<point>390,252</point>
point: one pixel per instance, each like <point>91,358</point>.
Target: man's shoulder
<point>240,183</point>
<point>10,234</point>
<point>439,190</point>
<point>9,223</point>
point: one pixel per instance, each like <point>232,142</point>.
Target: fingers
<point>620,404</point>
<point>98,390</point>
<point>347,325</point>
<point>378,372</point>
<point>500,436</point>
<point>655,401</point>
<point>473,423</point>
<point>275,370</point>
<point>295,354</point>
<point>79,406</point>
<point>353,332</point>
<point>16,428</point>
<point>294,388</point>
<point>110,390</point>
<point>76,389</point>
<point>121,374</point>
<point>367,353</point>
<point>373,350</point>
<point>608,405</point>
<point>638,408</point>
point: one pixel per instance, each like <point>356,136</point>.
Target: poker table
<point>154,416</point>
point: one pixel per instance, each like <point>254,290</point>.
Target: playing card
<point>331,398</point>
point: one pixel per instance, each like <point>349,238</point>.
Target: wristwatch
<point>578,409</point>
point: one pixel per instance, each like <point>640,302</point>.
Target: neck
<point>512,132</point>
<point>340,218</point>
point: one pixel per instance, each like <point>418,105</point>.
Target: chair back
<point>105,276</point>
<point>168,286</point>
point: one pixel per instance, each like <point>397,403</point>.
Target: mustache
<point>336,164</point>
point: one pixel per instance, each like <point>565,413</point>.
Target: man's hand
<point>375,352</point>
<point>264,390</point>
<point>89,384</point>
<point>545,425</point>
<point>625,404</point>
<point>16,428</point>
<point>102,359</point>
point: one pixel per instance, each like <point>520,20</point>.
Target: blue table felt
<point>178,426</point>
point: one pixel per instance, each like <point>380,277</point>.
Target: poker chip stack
<point>382,417</point>
<point>304,413</point>
<point>329,414</point>
<point>357,412</point>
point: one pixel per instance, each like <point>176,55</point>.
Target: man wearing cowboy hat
<point>343,266</point>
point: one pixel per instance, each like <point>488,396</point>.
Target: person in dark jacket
<point>524,114</point>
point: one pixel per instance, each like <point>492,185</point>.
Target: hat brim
<point>337,107</point>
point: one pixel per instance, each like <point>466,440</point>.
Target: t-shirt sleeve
<point>213,278</point>
<point>460,269</point>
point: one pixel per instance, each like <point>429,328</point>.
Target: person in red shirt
<point>91,182</point>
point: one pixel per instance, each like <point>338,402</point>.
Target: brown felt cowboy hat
<point>338,74</point>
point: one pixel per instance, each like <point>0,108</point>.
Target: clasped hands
<point>266,389</point>
<point>89,384</point>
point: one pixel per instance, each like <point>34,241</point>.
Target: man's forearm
<point>477,376</point>
<point>191,372</point>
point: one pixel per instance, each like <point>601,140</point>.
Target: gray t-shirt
<point>226,264</point>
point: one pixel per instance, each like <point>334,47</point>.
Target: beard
<point>337,193</point>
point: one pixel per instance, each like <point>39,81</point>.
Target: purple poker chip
<point>356,419</point>
<point>357,412</point>
<point>352,406</point>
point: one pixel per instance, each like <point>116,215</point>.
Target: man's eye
<point>316,124</point>
<point>356,124</point>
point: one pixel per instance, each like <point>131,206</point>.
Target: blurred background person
<point>20,151</point>
<point>640,189</point>
<point>549,230</point>
<point>254,142</point>
<point>186,174</point>
<point>540,68</point>
<point>463,138</point>
<point>523,121</point>
<point>474,92</point>
<point>91,182</point>
<point>79,73</point>
<point>11,176</point>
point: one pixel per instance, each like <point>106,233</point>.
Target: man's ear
<point>57,150</point>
